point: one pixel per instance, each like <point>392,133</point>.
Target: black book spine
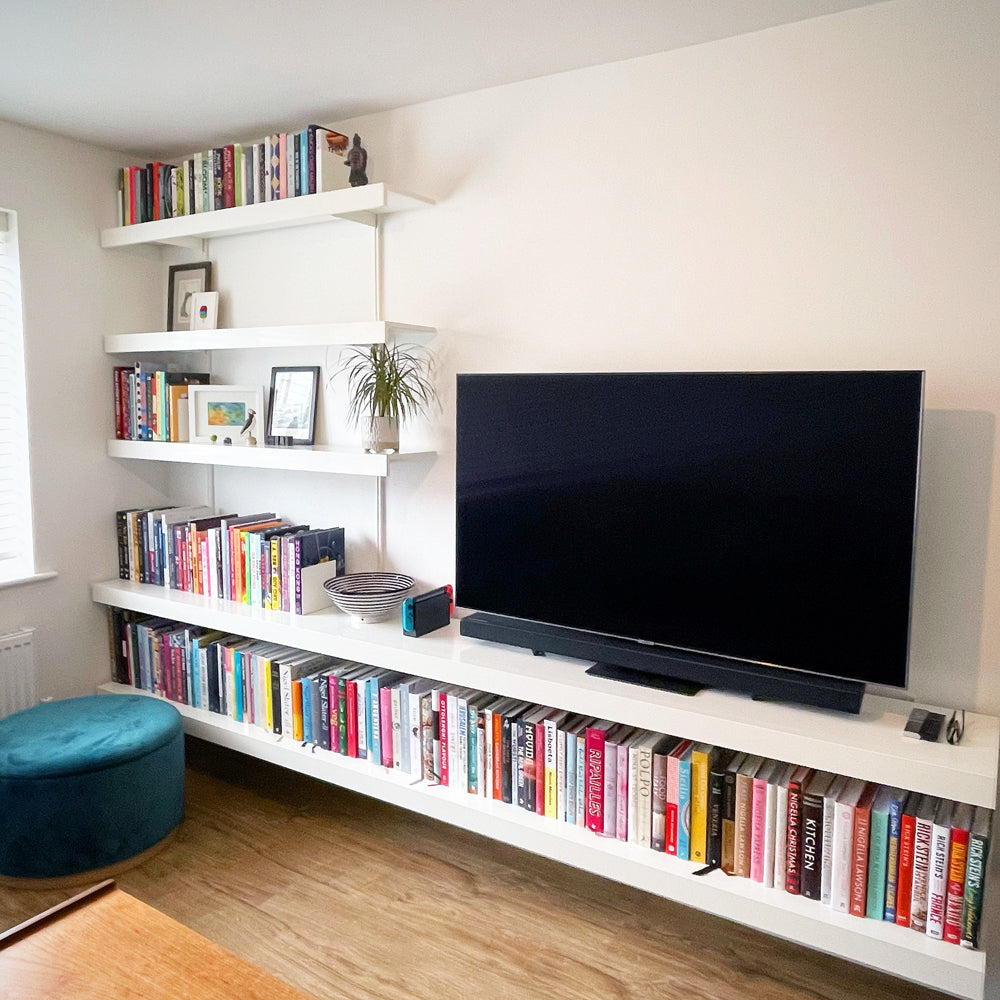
<point>323,690</point>
<point>505,762</point>
<point>276,696</point>
<point>530,767</point>
<point>518,739</point>
<point>212,666</point>
<point>716,783</point>
<point>811,846</point>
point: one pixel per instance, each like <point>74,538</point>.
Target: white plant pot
<point>383,435</point>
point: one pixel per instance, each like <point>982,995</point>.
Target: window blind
<point>16,548</point>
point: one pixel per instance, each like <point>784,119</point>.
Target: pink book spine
<point>595,780</point>
<point>540,768</point>
<point>673,782</point>
<point>385,724</point>
<point>758,815</point>
<point>443,727</point>
<point>621,819</point>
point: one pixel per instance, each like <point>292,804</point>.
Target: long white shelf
<point>249,338</point>
<point>897,950</point>
<point>299,458</point>
<point>869,745</point>
<point>359,204</point>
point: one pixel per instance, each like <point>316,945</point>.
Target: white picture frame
<point>204,311</point>
<point>217,414</point>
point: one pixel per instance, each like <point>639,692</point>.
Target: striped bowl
<point>369,597</point>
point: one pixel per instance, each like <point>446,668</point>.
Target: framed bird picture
<point>225,414</point>
<point>291,417</point>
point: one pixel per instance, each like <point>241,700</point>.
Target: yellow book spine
<point>265,680</point>
<point>275,574</point>
<point>700,767</point>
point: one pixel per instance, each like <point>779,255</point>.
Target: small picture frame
<point>205,311</point>
<point>185,281</point>
<point>219,414</point>
<point>291,415</point>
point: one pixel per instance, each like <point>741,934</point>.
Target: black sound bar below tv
<point>646,664</point>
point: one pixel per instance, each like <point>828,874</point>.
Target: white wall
<point>820,195</point>
<point>73,293</point>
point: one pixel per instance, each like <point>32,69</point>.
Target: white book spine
<point>780,835</point>
<point>413,733</point>
<point>454,751</point>
<point>285,685</point>
<point>560,775</point>
<point>826,871</point>
<point>610,788</point>
<point>644,798</point>
<point>840,874</point>
<point>770,830</point>
<point>937,883</point>
<point>395,701</point>
<point>632,808</point>
<point>203,676</point>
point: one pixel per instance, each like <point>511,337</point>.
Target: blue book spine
<point>684,809</point>
<point>372,721</point>
<point>307,727</point>
<point>892,859</point>
<point>194,654</point>
<point>237,685</point>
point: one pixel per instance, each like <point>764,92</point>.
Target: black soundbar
<point>761,682</point>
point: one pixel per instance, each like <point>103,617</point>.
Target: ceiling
<point>170,78</point>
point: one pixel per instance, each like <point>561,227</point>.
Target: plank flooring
<point>342,896</point>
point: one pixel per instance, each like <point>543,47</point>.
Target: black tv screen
<point>763,517</point>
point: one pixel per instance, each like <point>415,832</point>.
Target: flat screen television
<point>751,530</point>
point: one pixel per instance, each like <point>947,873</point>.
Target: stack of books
<point>151,403</point>
<point>258,560</point>
<point>283,165</point>
<point>860,848</point>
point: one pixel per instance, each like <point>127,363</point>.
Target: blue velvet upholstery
<point>87,782</point>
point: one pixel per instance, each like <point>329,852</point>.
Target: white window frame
<point>17,559</point>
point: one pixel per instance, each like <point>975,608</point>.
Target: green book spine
<point>975,873</point>
<point>877,846</point>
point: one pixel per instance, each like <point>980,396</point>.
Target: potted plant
<point>388,384</point>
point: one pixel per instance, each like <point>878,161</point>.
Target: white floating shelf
<point>248,338</point>
<point>358,204</point>
<point>294,459</point>
<point>869,745</point>
<point>897,950</point>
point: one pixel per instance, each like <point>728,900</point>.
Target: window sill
<point>22,581</point>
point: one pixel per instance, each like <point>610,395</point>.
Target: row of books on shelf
<point>283,165</point>
<point>259,560</point>
<point>151,404</point>
<point>858,847</point>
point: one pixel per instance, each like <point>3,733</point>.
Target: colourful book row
<point>257,560</point>
<point>283,165</point>
<point>859,847</point>
<point>151,404</point>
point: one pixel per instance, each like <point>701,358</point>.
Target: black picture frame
<point>184,281</point>
<point>291,411</point>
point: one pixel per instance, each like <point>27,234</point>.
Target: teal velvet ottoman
<point>87,783</point>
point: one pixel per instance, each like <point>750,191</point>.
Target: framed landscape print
<point>225,414</point>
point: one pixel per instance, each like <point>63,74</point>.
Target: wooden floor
<point>343,896</point>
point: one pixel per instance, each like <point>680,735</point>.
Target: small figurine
<point>357,160</point>
<point>248,428</point>
<point>227,440</point>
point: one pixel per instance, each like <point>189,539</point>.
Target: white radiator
<point>17,672</point>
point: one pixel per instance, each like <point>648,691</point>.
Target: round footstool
<point>87,783</point>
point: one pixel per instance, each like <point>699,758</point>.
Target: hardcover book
<point>729,814</point>
<point>975,875</point>
<point>813,796</point>
<point>720,762</point>
<point>883,853</point>
<point>922,837</point>
<point>937,879</point>
<point>744,813</point>
<point>843,844</point>
<point>904,879</point>
<point>958,854</point>
<point>793,831</point>
<point>594,793</point>
<point>829,813</point>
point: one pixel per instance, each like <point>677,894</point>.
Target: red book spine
<point>594,795</point>
<point>385,724</point>
<point>351,689</point>
<point>957,856</point>
<point>155,176</point>
<point>133,180</point>
<point>228,178</point>
<point>540,768</point>
<point>443,734</point>
<point>793,873</point>
<point>859,874</point>
<point>497,737</point>
<point>904,884</point>
<point>332,686</point>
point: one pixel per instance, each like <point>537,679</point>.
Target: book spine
<point>769,829</point>
<point>531,751</point>
<point>699,806</point>
<point>519,747</point>
<point>744,824</point>
<point>458,722</point>
<point>684,809</point>
<point>878,849</point>
<point>972,905</point>
<point>551,804</point>
<point>716,781</point>
<point>904,881</point>
<point>644,798</point>
<point>758,814</point>
<point>427,725</point>
<point>811,876</point>
<point>728,847</point>
<point>506,760</point>
<point>859,861</point>
<point>622,791</point>
<point>581,780</point>
<point>323,693</point>
<point>386,728</point>
<point>958,855</point>
<point>444,763</point>
<point>840,875</point>
<point>937,881</point>
<point>399,720</point>
<point>922,837</point>
<point>793,831</point>
<point>413,735</point>
<point>892,861</point>
<point>569,753</point>
<point>594,789</point>
<point>351,690</point>
<point>560,736</point>
<point>826,863</point>
<point>658,831</point>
